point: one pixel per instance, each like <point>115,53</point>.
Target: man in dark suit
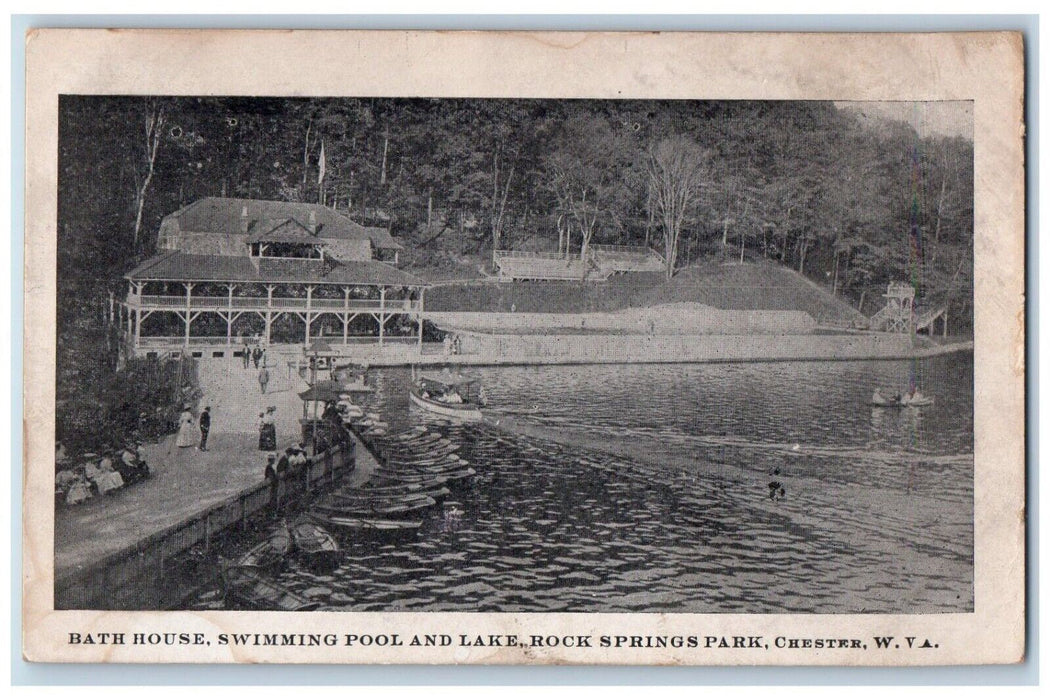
<point>204,423</point>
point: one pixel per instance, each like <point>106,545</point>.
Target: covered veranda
<point>169,307</point>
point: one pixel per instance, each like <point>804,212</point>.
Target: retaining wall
<point>683,318</point>
<point>573,349</point>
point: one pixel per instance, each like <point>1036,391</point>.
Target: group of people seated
<point>98,475</point>
<point>913,396</point>
<point>447,396</point>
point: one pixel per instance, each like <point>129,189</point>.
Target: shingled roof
<point>282,231</point>
<point>224,215</point>
<point>177,266</point>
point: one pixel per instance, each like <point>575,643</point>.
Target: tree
<point>154,123</point>
<point>678,170</point>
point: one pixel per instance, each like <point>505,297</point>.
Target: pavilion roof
<point>223,215</point>
<point>176,266</point>
<point>283,231</point>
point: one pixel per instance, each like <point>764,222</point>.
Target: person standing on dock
<point>187,436</point>
<point>256,356</point>
<point>264,378</point>
<point>267,430</point>
<point>246,355</point>
<point>204,422</point>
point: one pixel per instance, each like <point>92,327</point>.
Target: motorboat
<point>449,395</point>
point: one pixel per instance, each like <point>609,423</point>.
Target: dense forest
<point>850,203</point>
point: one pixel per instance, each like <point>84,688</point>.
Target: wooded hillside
<point>802,183</point>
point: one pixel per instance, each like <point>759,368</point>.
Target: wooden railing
<point>178,303</point>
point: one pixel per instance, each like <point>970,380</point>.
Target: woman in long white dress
<point>188,436</point>
<point>107,479</point>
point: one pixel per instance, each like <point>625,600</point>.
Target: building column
<point>269,310</point>
<point>382,316</point>
<point>419,317</point>
<point>189,290</point>
<point>309,305</point>
<point>229,315</point>
<point>138,326</point>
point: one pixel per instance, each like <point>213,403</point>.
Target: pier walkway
<point>186,481</point>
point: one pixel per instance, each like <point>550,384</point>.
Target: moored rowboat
<point>379,526</point>
<point>247,585</point>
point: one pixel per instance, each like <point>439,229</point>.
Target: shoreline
<point>494,351</point>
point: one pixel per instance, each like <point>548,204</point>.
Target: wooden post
<point>309,295</point>
<point>346,314</point>
<point>189,289</point>
<point>229,315</point>
<point>138,326</point>
<point>269,311</point>
<point>419,315</point>
<point>382,318</point>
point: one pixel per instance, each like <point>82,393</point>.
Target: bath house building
<point>230,271</point>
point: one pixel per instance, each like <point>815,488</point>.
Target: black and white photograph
<point>428,354</point>
<point>514,355</point>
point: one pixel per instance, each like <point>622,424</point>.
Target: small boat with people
<point>911,399</point>
<point>449,395</point>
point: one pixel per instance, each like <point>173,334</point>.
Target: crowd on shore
<point>93,475</point>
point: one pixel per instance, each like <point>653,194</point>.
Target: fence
<point>143,576</point>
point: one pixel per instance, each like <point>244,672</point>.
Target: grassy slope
<point>748,286</point>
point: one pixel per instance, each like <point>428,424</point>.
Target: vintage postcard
<point>524,348</point>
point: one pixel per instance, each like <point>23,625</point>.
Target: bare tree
<point>677,171</point>
<point>154,126</point>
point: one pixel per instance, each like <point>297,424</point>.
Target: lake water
<point>651,492</point>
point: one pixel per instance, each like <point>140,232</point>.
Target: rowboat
<point>312,540</point>
<point>373,526</point>
<point>377,491</point>
<point>428,442</point>
<point>371,509</point>
<point>340,500</point>
<point>247,585</point>
<point>450,474</point>
<point>424,461</point>
<point>262,556</point>
<point>395,479</point>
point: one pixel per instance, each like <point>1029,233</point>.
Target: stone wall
<point>576,348</point>
<point>668,319</point>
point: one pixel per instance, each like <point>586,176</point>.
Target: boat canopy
<point>447,379</point>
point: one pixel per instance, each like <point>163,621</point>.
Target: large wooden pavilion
<point>285,288</point>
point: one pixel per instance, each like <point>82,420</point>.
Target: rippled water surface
<point>647,488</point>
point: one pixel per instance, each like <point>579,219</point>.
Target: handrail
<point>261,304</point>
